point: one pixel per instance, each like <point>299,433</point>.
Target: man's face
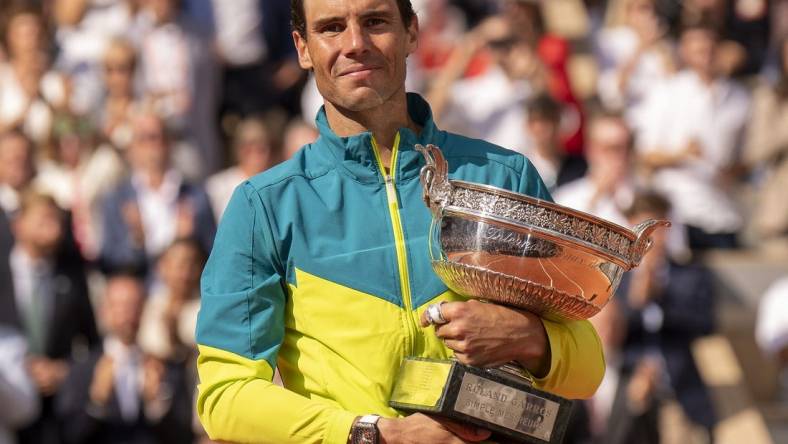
<point>122,308</point>
<point>608,148</point>
<point>697,50</point>
<point>40,227</point>
<point>149,148</point>
<point>357,50</point>
<point>180,268</point>
<point>16,162</point>
<point>543,131</point>
<point>24,34</point>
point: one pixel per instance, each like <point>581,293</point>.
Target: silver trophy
<point>507,248</point>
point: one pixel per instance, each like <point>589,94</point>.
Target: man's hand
<point>153,371</point>
<point>48,374</point>
<point>103,381</point>
<point>488,335</point>
<point>419,428</point>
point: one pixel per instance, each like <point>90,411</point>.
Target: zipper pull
<point>391,192</point>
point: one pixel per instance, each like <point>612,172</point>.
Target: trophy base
<point>495,400</point>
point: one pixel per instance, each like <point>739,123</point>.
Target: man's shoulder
<point>298,167</point>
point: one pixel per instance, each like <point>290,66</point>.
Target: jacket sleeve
<point>239,331</point>
<point>578,363</point>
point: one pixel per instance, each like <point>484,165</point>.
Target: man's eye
<point>375,22</point>
<point>332,28</point>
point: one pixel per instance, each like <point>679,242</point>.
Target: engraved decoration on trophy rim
<point>497,245</point>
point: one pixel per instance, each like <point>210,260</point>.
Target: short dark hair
<point>543,107</point>
<point>298,16</point>
<point>648,201</point>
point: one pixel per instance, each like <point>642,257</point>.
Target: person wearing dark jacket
<point>154,206</point>
<point>45,294</point>
<point>669,305</point>
<point>119,394</point>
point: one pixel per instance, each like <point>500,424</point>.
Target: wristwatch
<point>365,430</point>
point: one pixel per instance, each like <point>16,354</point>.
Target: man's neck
<point>32,253</point>
<point>382,121</point>
<point>153,177</point>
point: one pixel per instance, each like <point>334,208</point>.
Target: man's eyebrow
<point>377,13</point>
<point>318,23</point>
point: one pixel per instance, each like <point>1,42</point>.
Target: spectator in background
<point>625,408</point>
<point>16,169</point>
<point>668,305</point>
<point>180,81</point>
<point>29,91</point>
<point>498,95</point>
<point>155,206</point>
<point>527,20</point>
<point>50,297</point>
<point>120,102</point>
<point>254,41</point>
<point>297,134</point>
<point>767,151</point>
<point>691,131</point>
<point>609,185</point>
<point>18,394</point>
<point>253,151</point>
<point>170,315</point>
<point>555,166</point>
<point>771,330</point>
<point>78,173</point>
<point>634,55</point>
<point>85,29</point>
<point>120,395</point>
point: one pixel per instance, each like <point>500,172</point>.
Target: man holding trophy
<point>321,266</point>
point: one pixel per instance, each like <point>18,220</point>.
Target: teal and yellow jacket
<point>321,267</point>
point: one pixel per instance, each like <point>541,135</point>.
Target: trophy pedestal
<point>505,404</point>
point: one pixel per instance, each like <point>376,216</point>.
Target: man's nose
<point>356,39</point>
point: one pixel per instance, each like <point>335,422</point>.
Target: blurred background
<point>126,124</point>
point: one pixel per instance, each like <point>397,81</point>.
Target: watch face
<point>365,434</point>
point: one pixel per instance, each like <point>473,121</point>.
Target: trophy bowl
<point>508,248</point>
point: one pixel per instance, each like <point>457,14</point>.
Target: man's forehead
<point>315,9</point>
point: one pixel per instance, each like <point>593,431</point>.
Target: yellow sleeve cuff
<point>577,363</point>
<point>339,430</point>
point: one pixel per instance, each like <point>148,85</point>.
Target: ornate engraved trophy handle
<point>435,179</point>
<point>643,242</point>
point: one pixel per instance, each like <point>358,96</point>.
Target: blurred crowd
<point>125,125</point>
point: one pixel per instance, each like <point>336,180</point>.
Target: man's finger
<point>447,310</point>
<point>466,432</point>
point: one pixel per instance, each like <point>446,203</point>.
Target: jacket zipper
<point>399,236</point>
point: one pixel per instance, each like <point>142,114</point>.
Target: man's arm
<point>239,331</point>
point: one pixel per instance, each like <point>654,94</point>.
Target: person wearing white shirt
<point>253,150</point>
<point>634,56</point>
<point>156,205</point>
<point>120,394</point>
<point>16,387</point>
<point>692,128</point>
<point>609,186</point>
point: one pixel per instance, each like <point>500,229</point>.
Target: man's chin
<point>361,100</point>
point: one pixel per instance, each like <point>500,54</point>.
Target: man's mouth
<point>358,71</point>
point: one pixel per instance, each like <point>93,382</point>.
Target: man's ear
<point>413,35</point>
<point>304,59</point>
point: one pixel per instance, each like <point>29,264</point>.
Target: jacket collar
<point>355,153</point>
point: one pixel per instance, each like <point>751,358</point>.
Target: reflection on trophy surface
<point>508,248</point>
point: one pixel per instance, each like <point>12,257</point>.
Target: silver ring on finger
<point>434,314</point>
